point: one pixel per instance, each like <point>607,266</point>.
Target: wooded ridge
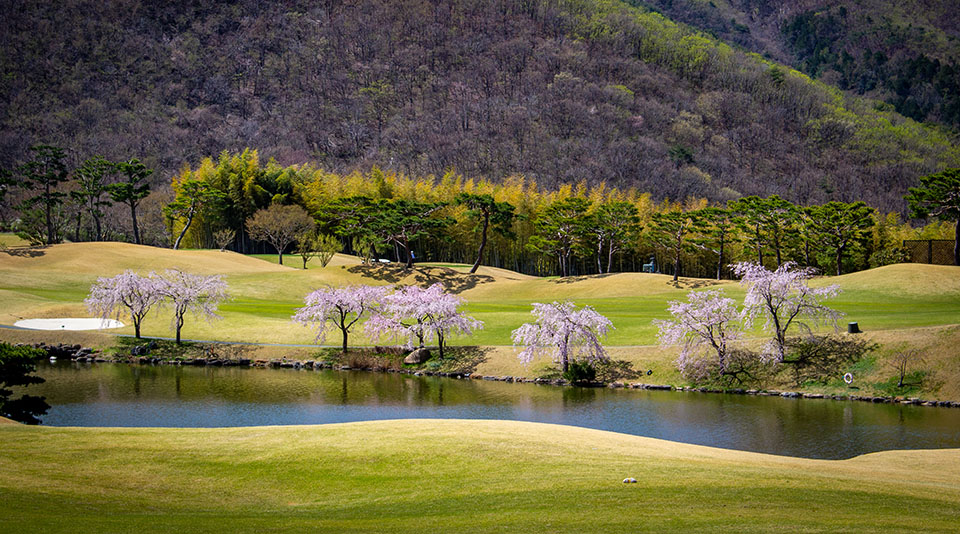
<point>556,91</point>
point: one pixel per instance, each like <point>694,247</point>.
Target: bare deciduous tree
<point>280,225</point>
<point>902,361</point>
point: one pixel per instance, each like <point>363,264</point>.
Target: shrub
<point>614,370</point>
<point>463,359</point>
<point>580,372</point>
<point>17,365</point>
<point>363,359</point>
<point>820,358</point>
<point>742,368</point>
<point>888,256</point>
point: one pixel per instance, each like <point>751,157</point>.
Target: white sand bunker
<point>69,323</point>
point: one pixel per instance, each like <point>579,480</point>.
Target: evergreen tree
<point>132,189</point>
<point>671,231</point>
<point>401,222</point>
<point>562,230</point>
<point>192,197</point>
<point>716,232</point>
<point>43,174</point>
<point>616,225</point>
<point>488,211</point>
<point>840,226</point>
<point>91,177</point>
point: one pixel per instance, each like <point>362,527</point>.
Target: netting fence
<point>936,251</point>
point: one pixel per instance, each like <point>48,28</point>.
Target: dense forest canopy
<point>906,53</point>
<point>558,91</point>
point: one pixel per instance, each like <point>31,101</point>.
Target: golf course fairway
<point>451,476</point>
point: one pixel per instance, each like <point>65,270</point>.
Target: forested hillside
<point>906,53</point>
<point>557,91</point>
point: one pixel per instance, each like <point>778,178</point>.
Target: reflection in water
<point>133,395</point>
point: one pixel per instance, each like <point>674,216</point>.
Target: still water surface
<point>171,396</point>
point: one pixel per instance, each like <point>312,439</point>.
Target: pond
<point>172,396</point>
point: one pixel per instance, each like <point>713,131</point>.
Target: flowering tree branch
<point>706,324</point>
<point>339,308</point>
<point>563,331</point>
<point>413,312</point>
<point>128,290</point>
<point>190,293</point>
<point>784,299</point>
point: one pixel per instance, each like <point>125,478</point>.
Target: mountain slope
<point>906,53</point>
<point>560,91</point>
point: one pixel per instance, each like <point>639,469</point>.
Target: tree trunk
<point>76,231</point>
<point>720,261</point>
<point>566,360</point>
<point>676,266</point>
<point>839,259</point>
<point>176,245</point>
<point>600,256</point>
<point>49,211</point>
<point>956,244</point>
<point>406,246</point>
<point>344,349</point>
<point>179,326</point>
<point>483,243</point>
<point>133,216</point>
<point>610,259</point>
<point>136,329</point>
<point>759,247</point>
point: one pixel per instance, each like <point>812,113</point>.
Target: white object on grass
<point>69,323</point>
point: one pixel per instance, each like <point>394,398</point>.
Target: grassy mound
<point>908,303</point>
<point>452,476</point>
<point>52,282</point>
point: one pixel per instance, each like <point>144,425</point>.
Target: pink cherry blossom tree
<point>784,299</point>
<point>338,308</point>
<point>413,312</point>
<point>704,327</point>
<point>190,293</point>
<point>126,291</point>
<point>565,332</point>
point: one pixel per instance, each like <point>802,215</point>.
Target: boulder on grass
<point>418,356</point>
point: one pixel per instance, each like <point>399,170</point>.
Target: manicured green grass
<point>265,294</point>
<point>893,304</point>
<point>11,240</point>
<point>451,476</point>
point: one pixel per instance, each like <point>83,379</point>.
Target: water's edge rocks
<point>140,356</point>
